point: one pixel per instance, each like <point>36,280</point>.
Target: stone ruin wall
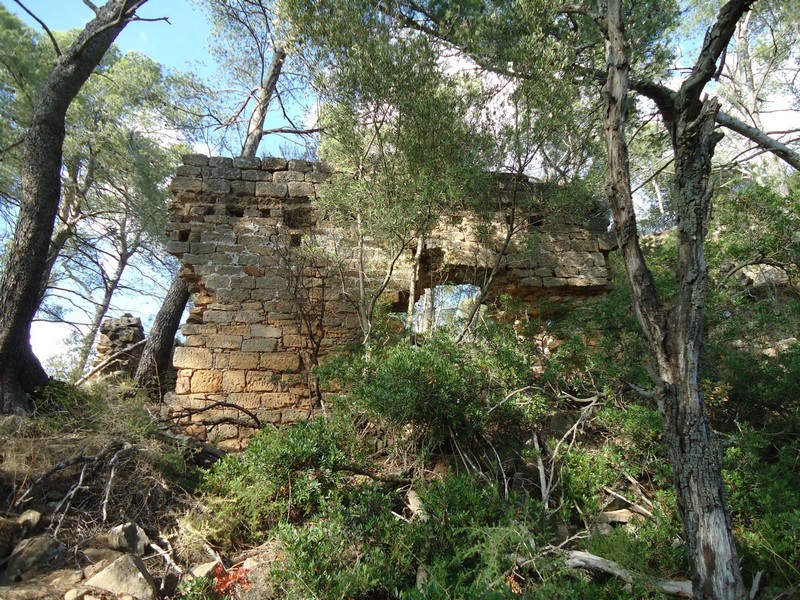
<point>234,226</point>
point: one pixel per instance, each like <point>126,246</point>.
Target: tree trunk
<point>675,336</point>
<point>41,189</point>
<point>255,128</point>
<point>158,348</point>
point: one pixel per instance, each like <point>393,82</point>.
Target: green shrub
<point>354,548</point>
<point>764,499</point>
<point>198,588</point>
<point>285,475</point>
<point>434,389</point>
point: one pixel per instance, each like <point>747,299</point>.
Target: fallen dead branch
<point>190,412</point>
<point>577,559</point>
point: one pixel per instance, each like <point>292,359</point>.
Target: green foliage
<point>110,408</point>
<point>764,498</point>
<point>355,547</point>
<point>431,388</point>
<point>198,588</point>
<point>284,476</point>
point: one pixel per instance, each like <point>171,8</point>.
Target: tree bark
<point>158,349</point>
<point>255,128</point>
<point>675,335</point>
<point>20,371</point>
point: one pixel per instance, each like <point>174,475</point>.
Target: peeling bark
<point>675,334</point>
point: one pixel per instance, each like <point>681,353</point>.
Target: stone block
<point>287,176</point>
<point>177,248</point>
<point>295,341</point>
<point>294,415</point>
<point>188,171</point>
<point>183,382</point>
<point>243,360</point>
<point>195,341</point>
<point>186,184</point>
<point>217,282</point>
<point>270,189</point>
<point>240,329</point>
<point>301,189</point>
<point>202,248</point>
<point>218,316</point>
<point>228,342</point>
<point>233,381</point>
<point>273,164</point>
<point>216,186</point>
<point>260,381</point>
<point>233,296</point>
<point>251,175</point>
<point>196,160</point>
<point>248,400</point>
<point>206,382</point>
<point>198,328</point>
<point>228,173</point>
<point>243,188</point>
<point>304,166</point>
<point>277,400</point>
<point>282,362</point>
<point>192,358</point>
<point>247,162</point>
<point>264,331</point>
<point>553,282</point>
<point>259,345</point>
<point>220,161</point>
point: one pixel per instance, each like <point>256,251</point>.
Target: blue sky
<point>180,44</point>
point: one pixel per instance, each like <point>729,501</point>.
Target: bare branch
<point>41,23</point>
<point>770,144</point>
<point>577,559</point>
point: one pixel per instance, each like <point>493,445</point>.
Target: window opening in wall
<point>445,306</point>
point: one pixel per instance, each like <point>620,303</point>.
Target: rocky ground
<point>89,510</point>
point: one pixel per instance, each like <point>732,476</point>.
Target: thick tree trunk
<point>20,371</point>
<point>255,128</point>
<point>158,348</point>
<point>675,336</point>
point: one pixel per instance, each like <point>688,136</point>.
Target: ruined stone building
<point>239,228</point>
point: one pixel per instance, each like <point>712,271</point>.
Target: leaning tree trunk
<point>158,348</point>
<point>20,371</point>
<point>675,336</point>
<point>255,128</point>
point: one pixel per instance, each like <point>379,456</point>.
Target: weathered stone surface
<point>244,339</point>
<point>283,362</point>
<point>29,555</point>
<point>206,381</point>
<point>192,358</point>
<point>271,189</point>
<point>301,189</point>
<point>128,538</point>
<point>126,575</point>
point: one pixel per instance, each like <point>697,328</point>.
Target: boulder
<point>126,575</point>
<point>128,538</point>
<point>30,555</point>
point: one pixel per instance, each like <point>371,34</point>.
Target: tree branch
<point>41,23</point>
<point>577,559</point>
<point>770,144</point>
